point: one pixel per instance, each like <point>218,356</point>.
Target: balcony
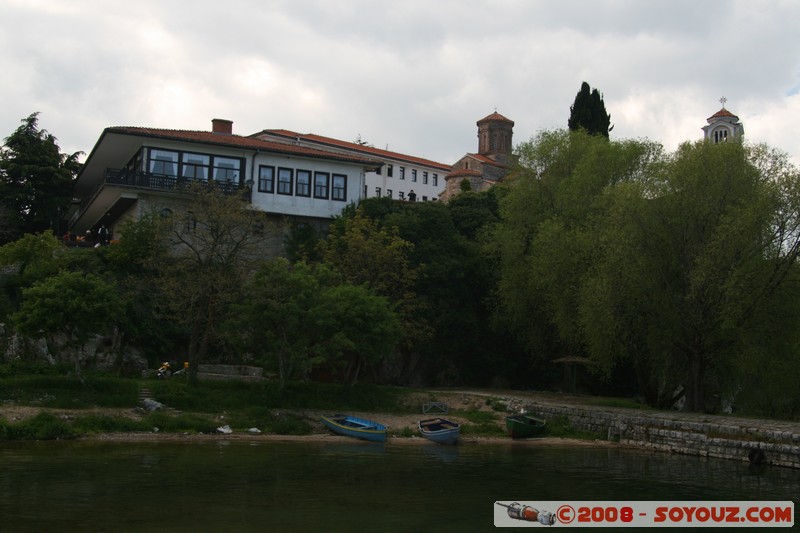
<point>160,182</point>
<point>106,200</point>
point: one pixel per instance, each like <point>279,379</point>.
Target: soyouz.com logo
<point>644,514</point>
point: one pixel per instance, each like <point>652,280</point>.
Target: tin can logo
<point>527,513</point>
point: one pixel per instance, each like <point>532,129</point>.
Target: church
<point>479,171</point>
<point>723,125</point>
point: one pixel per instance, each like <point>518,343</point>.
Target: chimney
<point>221,126</point>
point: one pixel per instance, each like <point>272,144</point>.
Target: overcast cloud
<point>413,76</point>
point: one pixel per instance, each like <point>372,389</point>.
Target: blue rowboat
<point>440,430</point>
<point>353,426</point>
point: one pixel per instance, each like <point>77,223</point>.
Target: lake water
<point>218,486</point>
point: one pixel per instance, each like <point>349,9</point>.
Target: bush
<point>180,423</point>
<point>44,426</point>
<point>107,424</point>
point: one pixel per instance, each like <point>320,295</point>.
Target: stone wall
<point>230,372</point>
<point>756,441</point>
<point>100,352</point>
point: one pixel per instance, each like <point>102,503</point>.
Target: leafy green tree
<point>359,328</point>
<point>668,265</point>
<point>138,262</point>
<point>474,213</point>
<point>73,303</point>
<point>274,320</point>
<point>713,238</point>
<point>34,257</point>
<point>588,112</point>
<point>301,318</point>
<point>36,179</point>
<point>546,240</point>
<point>364,252</point>
<point>214,241</point>
<point>29,259</point>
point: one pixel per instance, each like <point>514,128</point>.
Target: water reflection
<point>340,486</point>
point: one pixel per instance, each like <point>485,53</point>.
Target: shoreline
<point>144,437</point>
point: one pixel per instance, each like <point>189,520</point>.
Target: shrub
<point>44,426</point>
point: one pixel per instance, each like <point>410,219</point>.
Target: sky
<point>412,76</point>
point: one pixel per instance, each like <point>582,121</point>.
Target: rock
<point>226,429</point>
<point>152,405</point>
<point>254,430</point>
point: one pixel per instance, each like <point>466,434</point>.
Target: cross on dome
<point>722,101</point>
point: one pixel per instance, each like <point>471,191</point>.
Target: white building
<point>400,176</point>
<point>133,170</point>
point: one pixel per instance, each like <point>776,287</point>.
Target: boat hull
<point>353,426</point>
<point>440,430</point>
<point>524,427</point>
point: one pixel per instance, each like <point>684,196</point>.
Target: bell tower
<point>723,126</point>
<point>495,136</point>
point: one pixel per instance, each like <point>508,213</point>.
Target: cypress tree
<point>588,112</point>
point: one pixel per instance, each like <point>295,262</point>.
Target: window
<point>424,198</point>
<point>388,193</point>
<point>191,222</point>
<point>436,180</point>
<point>191,166</point>
<point>389,170</point>
<point>364,193</point>
<point>303,178</point>
<point>378,192</point>
<point>414,174</point>
<point>285,181</point>
<point>226,169</point>
<point>266,179</point>
<point>163,163</point>
<point>195,166</point>
<point>321,180</point>
<point>424,178</point>
<point>379,170</point>
<point>402,173</point>
<point>339,187</point>
<point>401,195</point>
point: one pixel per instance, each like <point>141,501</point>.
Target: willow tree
<point>664,264</point>
<point>690,265</point>
<point>546,240</point>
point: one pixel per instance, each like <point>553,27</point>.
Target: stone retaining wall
<point>704,437</point>
<point>230,372</point>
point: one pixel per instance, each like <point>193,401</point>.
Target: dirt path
<point>397,423</point>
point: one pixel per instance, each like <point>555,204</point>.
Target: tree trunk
<point>192,356</point>
<point>695,390</point>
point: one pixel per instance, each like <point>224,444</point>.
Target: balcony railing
<point>160,182</point>
<point>145,180</point>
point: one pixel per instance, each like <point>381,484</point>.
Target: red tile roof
<point>237,141</point>
<point>487,160</point>
<point>722,113</point>
<point>494,117</point>
<point>367,150</point>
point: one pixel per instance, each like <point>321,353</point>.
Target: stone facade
<point>492,162</point>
